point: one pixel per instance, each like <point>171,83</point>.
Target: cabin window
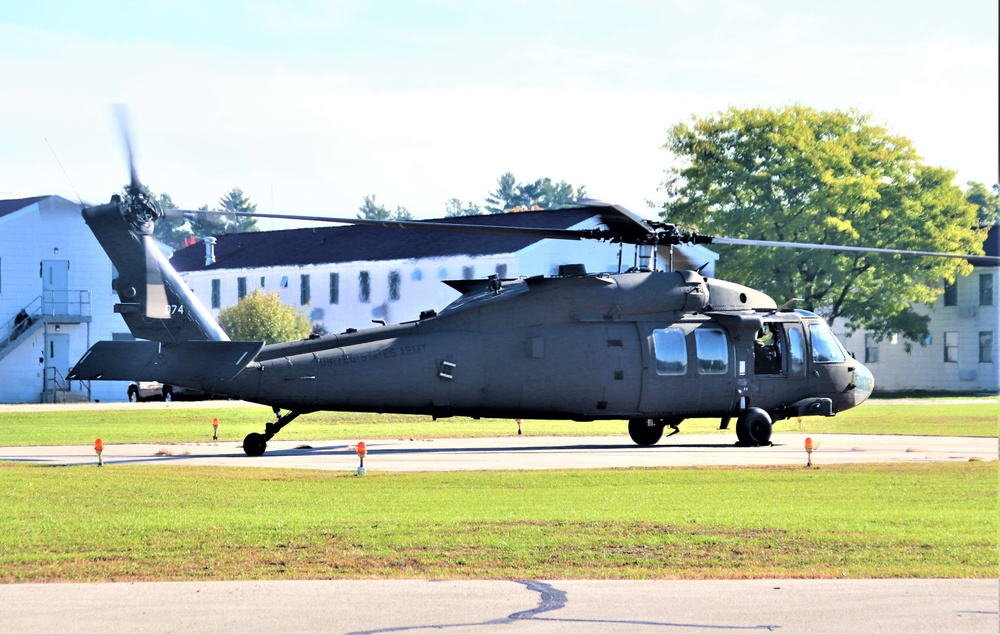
<point>334,288</point>
<point>394,281</point>
<point>951,293</point>
<point>468,273</point>
<point>502,271</point>
<point>305,289</point>
<point>241,288</point>
<point>364,287</point>
<point>985,347</point>
<point>986,289</point>
<point>670,350</point>
<point>796,352</point>
<point>262,282</point>
<point>871,349</point>
<point>951,346</point>
<point>713,351</point>
<point>825,346</point>
<point>216,293</point>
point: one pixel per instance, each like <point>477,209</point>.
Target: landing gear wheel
<point>133,394</point>
<point>168,394</point>
<point>254,444</point>
<point>754,427</point>
<point>645,431</point>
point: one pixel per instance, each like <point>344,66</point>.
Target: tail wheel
<point>754,427</point>
<point>645,431</point>
<point>254,444</point>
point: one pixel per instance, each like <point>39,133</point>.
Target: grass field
<point>171,424</point>
<point>159,523</point>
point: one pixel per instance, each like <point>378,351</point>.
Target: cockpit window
<point>825,347</point>
<point>713,351</point>
<point>671,351</point>
<point>796,351</point>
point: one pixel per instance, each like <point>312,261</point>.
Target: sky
<point>309,106</point>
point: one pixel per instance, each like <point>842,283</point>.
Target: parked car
<point>154,390</point>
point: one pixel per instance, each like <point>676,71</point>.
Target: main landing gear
<point>753,428</point>
<point>255,443</point>
<point>649,431</point>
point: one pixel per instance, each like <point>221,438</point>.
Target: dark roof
<point>324,245</point>
<point>11,205</point>
<point>991,247</point>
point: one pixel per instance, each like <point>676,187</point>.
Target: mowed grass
<point>127,523</point>
<point>171,424</point>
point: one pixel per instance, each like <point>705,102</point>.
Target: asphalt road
<point>528,453</point>
<point>482,606</point>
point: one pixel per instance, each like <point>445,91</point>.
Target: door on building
<point>57,354</point>
<point>55,287</point>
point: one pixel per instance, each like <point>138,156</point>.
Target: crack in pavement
<point>552,599</point>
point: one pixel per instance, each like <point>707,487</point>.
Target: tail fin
<point>155,303</point>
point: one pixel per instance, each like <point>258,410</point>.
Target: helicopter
<point>649,347</point>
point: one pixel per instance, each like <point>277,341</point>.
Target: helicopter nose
<point>864,384</point>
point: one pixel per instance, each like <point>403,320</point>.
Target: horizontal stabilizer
<point>189,364</point>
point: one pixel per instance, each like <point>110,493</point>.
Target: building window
<point>502,271</point>
<point>364,287</point>
<point>468,273</point>
<point>986,289</point>
<point>985,347</point>
<point>216,293</point>
<point>305,290</point>
<point>871,349</point>
<point>951,293</point>
<point>951,346</point>
<point>334,288</point>
<point>393,285</point>
<point>284,282</point>
<point>241,288</point>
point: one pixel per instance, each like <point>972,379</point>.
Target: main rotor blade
<point>872,250</point>
<point>495,230</point>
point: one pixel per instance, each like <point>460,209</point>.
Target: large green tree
<point>541,193</point>
<point>987,202</point>
<point>263,317</point>
<point>833,177</point>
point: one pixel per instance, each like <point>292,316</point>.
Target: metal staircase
<point>52,307</point>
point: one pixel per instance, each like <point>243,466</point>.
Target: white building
<point>348,277</point>
<point>52,267</point>
<point>962,351</point>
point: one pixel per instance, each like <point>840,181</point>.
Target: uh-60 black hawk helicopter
<point>650,347</point>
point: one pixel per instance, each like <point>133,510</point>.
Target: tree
<point>540,194</point>
<point>373,211</point>
<point>832,177</point>
<point>987,202</point>
<point>170,230</point>
<point>236,201</point>
<point>262,316</point>
<point>455,207</point>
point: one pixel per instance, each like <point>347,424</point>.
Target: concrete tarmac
<point>528,453</point>
<point>512,606</point>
